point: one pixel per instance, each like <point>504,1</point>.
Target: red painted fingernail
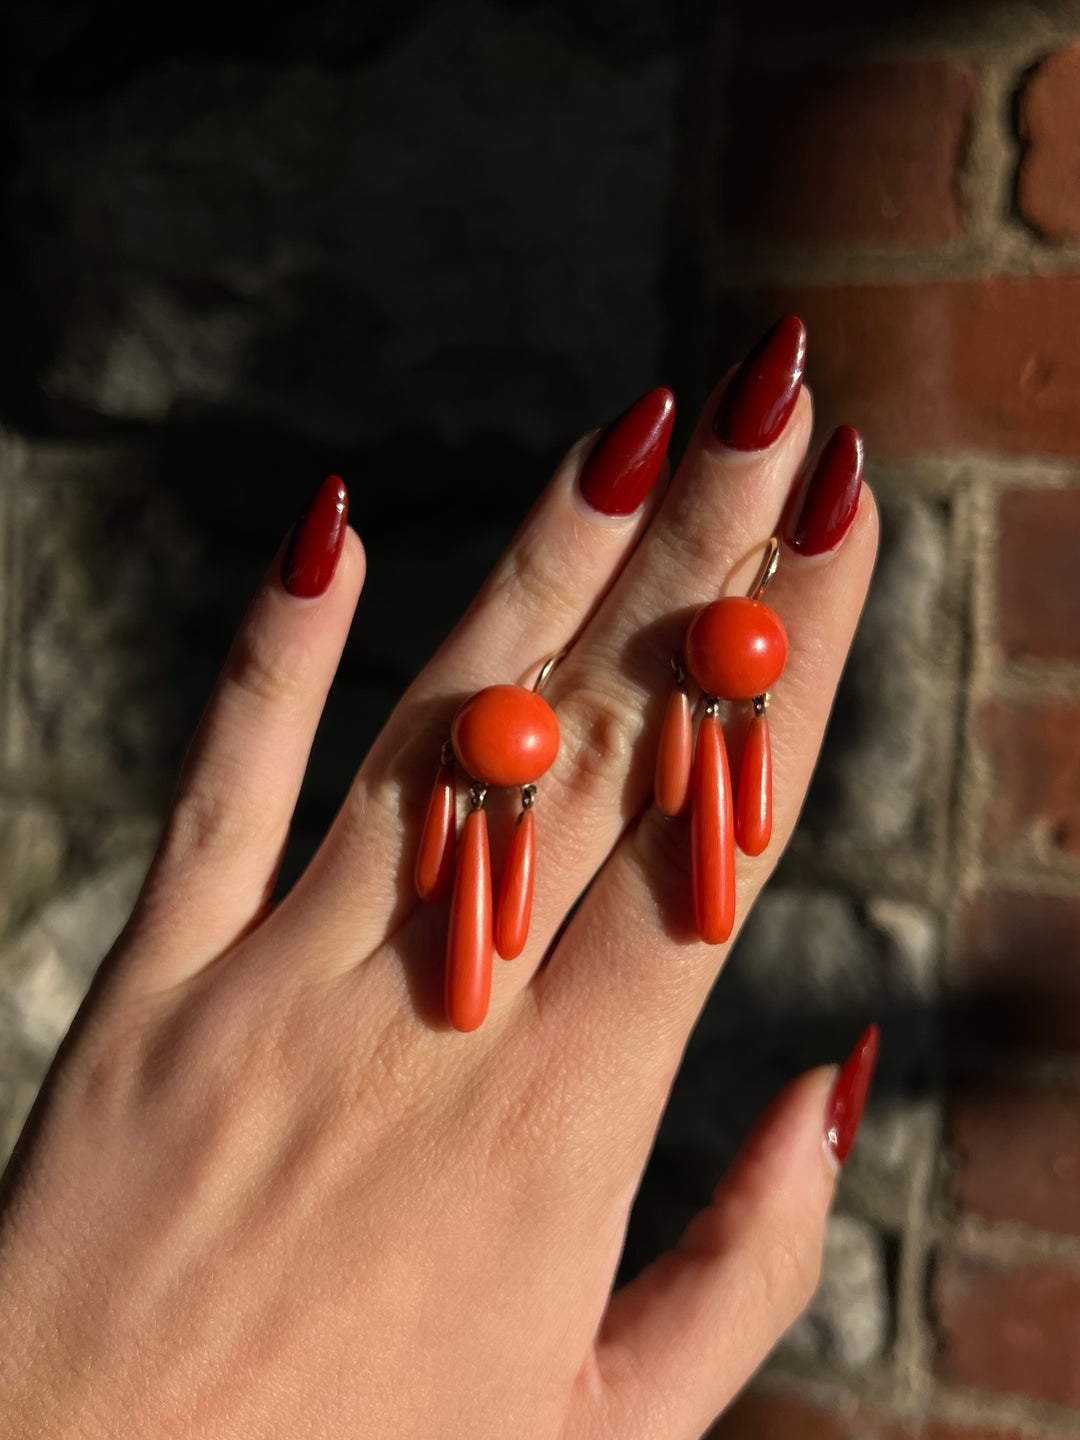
<point>848,1096</point>
<point>626,460</point>
<point>761,395</point>
<point>315,547</point>
<point>830,494</point>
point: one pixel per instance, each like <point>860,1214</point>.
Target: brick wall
<point>914,194</point>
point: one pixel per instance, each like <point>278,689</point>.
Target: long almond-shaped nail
<point>626,460</point>
<point>844,1108</point>
<point>315,547</point>
<point>829,495</point>
<point>759,398</point>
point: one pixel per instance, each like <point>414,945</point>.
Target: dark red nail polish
<point>830,495</point>
<point>312,556</point>
<point>848,1096</point>
<point>626,460</point>
<point>761,395</point>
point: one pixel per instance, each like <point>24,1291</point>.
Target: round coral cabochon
<point>736,648</point>
<point>505,735</point>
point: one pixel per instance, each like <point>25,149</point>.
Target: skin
<point>265,1190</point>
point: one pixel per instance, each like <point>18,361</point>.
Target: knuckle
<point>791,1270</point>
<point>202,818</point>
<point>600,732</point>
<point>265,669</point>
<point>542,579</point>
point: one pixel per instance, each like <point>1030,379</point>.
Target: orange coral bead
<point>736,648</point>
<point>516,893</point>
<point>468,945</point>
<point>674,755</point>
<point>505,735</point>
<point>434,874</point>
<point>712,835</point>
<point>753,802</point>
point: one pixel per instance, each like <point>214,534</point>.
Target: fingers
<point>226,832</point>
<point>539,596</point>
<point>680,1340</point>
<point>644,996</point>
<point>611,691</point>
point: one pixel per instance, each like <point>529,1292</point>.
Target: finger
<point>611,689</point>
<point>646,997</point>
<point>680,1340</point>
<point>225,834</point>
<point>541,593</point>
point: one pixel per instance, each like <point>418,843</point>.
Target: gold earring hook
<point>545,670</point>
<point>768,569</point>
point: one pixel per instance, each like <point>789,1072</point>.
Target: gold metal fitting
<point>761,703</point>
<point>545,670</point>
<point>528,796</point>
<point>447,756</point>
<point>768,569</point>
<point>478,794</point>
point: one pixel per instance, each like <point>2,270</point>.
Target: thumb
<point>679,1341</point>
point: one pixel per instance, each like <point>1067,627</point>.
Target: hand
<point>266,1191</point>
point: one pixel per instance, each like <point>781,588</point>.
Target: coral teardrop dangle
<point>468,947</point>
<point>712,834</point>
<point>434,874</point>
<point>674,755</point>
<point>516,893</point>
<point>753,803</point>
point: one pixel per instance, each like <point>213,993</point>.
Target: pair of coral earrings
<point>508,736</point>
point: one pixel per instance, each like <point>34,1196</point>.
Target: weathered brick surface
<point>1009,1331</point>
<point>849,154</point>
<point>757,1415</point>
<point>1038,570</point>
<point>1048,186</point>
<point>108,575</point>
<point>1017,1155</point>
<point>1034,755</point>
<point>762,1416</point>
<point>892,696</point>
<point>987,363</point>
<point>1019,973</point>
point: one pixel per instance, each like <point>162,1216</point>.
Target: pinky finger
<point>679,1341</point>
<point>225,835</point>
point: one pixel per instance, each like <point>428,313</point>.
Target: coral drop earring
<point>735,649</point>
<point>504,736</point>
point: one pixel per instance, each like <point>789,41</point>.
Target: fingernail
<point>844,1108</point>
<point>761,395</point>
<point>315,547</point>
<point>626,460</point>
<point>830,495</point>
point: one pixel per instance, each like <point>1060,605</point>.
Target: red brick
<point>1039,574</point>
<point>1048,187</point>
<point>1019,966</point>
<point>989,363</point>
<point>1034,753</point>
<point>840,155</point>
<point>755,1416</point>
<point>1010,1331</point>
<point>759,1416</point>
<point>942,1430</point>
<point>1017,1156</point>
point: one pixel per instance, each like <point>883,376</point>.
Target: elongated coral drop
<point>434,874</point>
<point>516,895</point>
<point>468,945</point>
<point>753,803</point>
<point>675,754</point>
<point>712,835</point>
